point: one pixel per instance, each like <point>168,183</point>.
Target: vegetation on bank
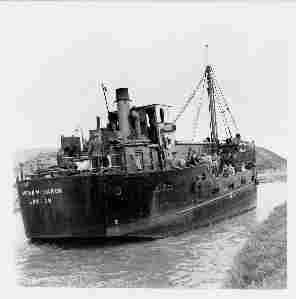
<point>262,262</point>
<point>268,160</point>
<point>270,176</point>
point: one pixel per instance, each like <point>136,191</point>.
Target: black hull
<point>192,217</point>
<point>152,205</point>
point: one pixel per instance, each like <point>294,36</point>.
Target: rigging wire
<point>227,109</point>
<point>190,98</point>
<point>222,112</point>
<point>220,100</point>
<point>199,105</point>
<point>225,102</point>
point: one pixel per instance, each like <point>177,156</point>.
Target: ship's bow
<point>63,207</point>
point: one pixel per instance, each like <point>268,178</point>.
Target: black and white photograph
<point>149,143</point>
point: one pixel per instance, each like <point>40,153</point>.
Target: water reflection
<point>199,258</point>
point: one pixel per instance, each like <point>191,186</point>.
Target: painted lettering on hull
<point>49,191</point>
<point>41,196</point>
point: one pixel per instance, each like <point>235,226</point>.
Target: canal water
<point>196,259</point>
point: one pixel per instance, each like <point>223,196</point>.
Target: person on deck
<point>225,171</point>
<point>236,141</point>
<point>95,150</point>
<point>189,153</point>
<point>215,165</point>
<point>193,158</point>
<point>206,160</point>
<point>231,169</point>
<point>173,162</point>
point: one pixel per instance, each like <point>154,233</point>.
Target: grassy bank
<point>262,263</point>
<point>270,176</point>
<point>268,160</point>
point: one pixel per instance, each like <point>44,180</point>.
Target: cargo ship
<point>133,178</point>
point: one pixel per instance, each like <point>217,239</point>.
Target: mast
<point>212,104</point>
<point>217,100</point>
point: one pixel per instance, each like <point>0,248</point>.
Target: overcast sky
<point>54,55</point>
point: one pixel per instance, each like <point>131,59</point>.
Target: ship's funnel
<point>123,108</point>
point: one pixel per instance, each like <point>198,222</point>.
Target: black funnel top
<point>122,94</point>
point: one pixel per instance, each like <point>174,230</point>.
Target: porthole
<point>117,191</point>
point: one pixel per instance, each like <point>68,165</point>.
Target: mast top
<point>206,55</point>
